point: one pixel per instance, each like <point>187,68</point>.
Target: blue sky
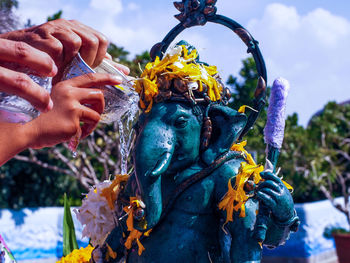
<point>306,42</point>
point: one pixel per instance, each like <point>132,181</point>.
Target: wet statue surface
<point>195,187</point>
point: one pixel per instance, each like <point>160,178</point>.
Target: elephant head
<point>184,121</point>
<point>169,141</point>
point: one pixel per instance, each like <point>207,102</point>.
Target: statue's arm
<point>278,202</point>
<point>281,221</point>
<point>239,245</point>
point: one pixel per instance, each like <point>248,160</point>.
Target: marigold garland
<point>81,255</point>
<point>180,65</point>
<point>236,196</point>
<point>134,234</point>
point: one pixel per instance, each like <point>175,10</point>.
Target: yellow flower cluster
<point>81,255</point>
<point>236,196</point>
<point>111,192</point>
<point>134,234</point>
<point>182,66</point>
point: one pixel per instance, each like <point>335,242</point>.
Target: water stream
<point>126,132</point>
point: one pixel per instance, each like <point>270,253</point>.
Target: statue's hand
<point>276,197</point>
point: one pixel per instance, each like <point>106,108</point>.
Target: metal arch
<point>198,16</point>
<point>253,46</point>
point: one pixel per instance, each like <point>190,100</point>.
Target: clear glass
<point>17,110</point>
<point>119,99</point>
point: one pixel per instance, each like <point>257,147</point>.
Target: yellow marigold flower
<point>81,255</point>
<point>111,192</point>
<point>182,66</point>
<point>134,235</point>
<point>236,196</point>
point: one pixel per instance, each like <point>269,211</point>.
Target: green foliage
<point>139,62</point>
<point>243,94</point>
<point>55,16</point>
<point>8,4</point>
<point>28,185</point>
<point>69,238</point>
<point>312,156</point>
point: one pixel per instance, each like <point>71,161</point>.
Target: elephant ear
<point>227,125</point>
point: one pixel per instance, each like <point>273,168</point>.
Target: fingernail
<point>125,69</point>
<point>96,92</point>
<point>49,107</point>
<point>117,78</point>
<point>54,70</point>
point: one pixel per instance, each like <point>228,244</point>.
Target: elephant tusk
<point>162,165</point>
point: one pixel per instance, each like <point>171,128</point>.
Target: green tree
<point>328,166</point>
<point>8,4</point>
<point>243,94</point>
<point>8,21</point>
<point>55,16</point>
<point>136,64</point>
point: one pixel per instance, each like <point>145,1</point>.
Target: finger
<point>267,200</point>
<point>271,193</point>
<point>121,67</point>
<point>94,99</point>
<point>40,37</point>
<point>90,43</point>
<point>102,43</point>
<point>20,84</point>
<point>270,176</point>
<point>108,56</point>
<point>269,184</point>
<point>94,80</point>
<point>90,119</point>
<point>71,43</point>
<point>25,55</point>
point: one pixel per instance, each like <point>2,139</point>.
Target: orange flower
<point>81,255</point>
<point>181,65</point>
<point>134,234</point>
<point>236,196</point>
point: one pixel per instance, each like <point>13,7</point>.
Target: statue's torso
<point>192,230</point>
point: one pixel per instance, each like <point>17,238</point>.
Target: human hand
<point>62,40</point>
<point>15,55</point>
<point>121,67</point>
<point>63,121</point>
<point>276,197</point>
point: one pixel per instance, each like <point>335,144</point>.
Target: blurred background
<point>306,42</point>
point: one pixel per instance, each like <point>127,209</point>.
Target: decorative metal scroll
<point>198,13</point>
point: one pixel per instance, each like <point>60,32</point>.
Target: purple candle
<point>276,113</point>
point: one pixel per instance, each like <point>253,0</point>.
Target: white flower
<point>175,50</point>
<point>96,216</point>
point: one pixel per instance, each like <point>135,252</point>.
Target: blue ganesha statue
<point>196,195</point>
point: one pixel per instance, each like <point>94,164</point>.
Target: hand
<point>275,196</point>
<point>63,121</point>
<point>14,55</point>
<point>121,67</point>
<point>62,40</point>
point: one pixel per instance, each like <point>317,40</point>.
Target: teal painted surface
<point>167,153</point>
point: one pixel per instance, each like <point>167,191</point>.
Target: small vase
<point>342,243</point>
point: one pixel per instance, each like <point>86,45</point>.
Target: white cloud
<point>108,6</point>
<point>133,6</point>
<point>309,50</point>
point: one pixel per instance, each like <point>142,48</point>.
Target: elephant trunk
<point>153,153</point>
